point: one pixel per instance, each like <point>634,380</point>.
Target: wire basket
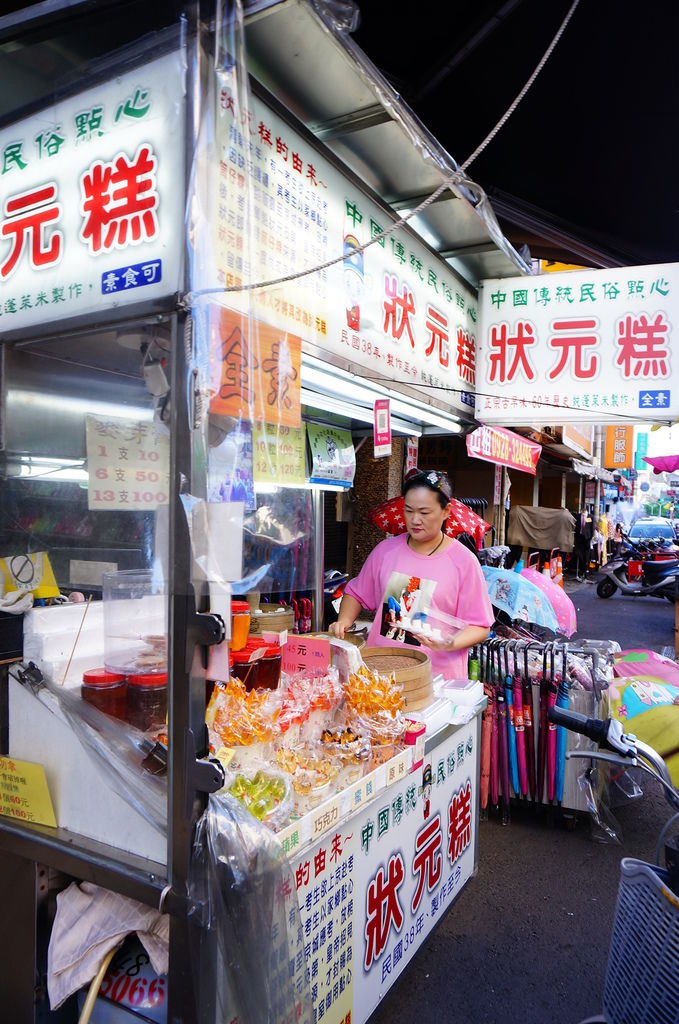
<point>643,964</point>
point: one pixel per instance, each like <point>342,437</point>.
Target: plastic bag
<point>604,827</point>
<point>314,773</point>
<point>264,792</point>
<point>241,885</point>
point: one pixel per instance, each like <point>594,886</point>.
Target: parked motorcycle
<point>658,577</point>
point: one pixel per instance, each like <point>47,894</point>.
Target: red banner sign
<point>503,448</point>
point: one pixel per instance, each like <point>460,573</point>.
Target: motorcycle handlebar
<point>594,728</point>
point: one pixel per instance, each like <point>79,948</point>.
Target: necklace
<point>434,550</point>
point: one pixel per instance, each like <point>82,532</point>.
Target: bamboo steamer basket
<point>414,677</point>
<point>274,617</point>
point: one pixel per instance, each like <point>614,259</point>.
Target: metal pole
<point>318,505</point>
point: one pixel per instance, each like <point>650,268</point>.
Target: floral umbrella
<point>389,517</point>
<point>512,593</point>
<point>564,609</point>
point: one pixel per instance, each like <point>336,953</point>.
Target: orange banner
<point>619,448</point>
<point>254,369</point>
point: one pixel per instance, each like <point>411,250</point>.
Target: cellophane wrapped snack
<point>314,772</point>
<point>351,748</point>
<point>266,793</point>
<point>375,709</point>
<point>240,719</point>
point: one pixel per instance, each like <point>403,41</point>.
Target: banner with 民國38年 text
<point>588,346</point>
<point>92,199</point>
<point>372,889</point>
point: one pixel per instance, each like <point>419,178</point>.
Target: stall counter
<point>383,873</point>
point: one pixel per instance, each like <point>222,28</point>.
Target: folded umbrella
<point>517,701</point>
<point>494,754</point>
<point>503,755</point>
<point>486,728</point>
<point>527,689</point>
<point>551,744</point>
<point>561,702</point>
<point>511,735</point>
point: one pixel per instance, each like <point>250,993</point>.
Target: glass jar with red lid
<point>240,624</point>
<point>263,672</point>
<point>147,699</point>
<point>106,691</point>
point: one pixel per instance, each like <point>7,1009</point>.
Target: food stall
<point>167,435</point>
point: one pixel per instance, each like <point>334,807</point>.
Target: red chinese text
<point>383,908</point>
<point>466,356</point>
<point>459,822</point>
<point>27,215</point>
<point>505,346</point>
<point>571,336</point>
<point>427,859</point>
<point>398,309</point>
<point>643,346</point>
<point>437,326</point>
<point>119,201</point>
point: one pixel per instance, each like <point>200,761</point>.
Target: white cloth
<point>89,923</point>
<point>16,602</point>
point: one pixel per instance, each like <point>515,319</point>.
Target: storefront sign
<point>24,793</point>
<point>333,456</point>
<point>504,448</point>
<point>92,199</point>
<point>497,486</point>
<point>642,450</point>
<point>619,452</point>
<point>279,455</point>
<point>305,652</point>
<point>371,890</point>
<point>579,438</point>
<point>412,448</point>
<point>394,309</point>
<point>382,427</point>
<point>585,346</point>
<point>128,464</point>
<point>254,369</point>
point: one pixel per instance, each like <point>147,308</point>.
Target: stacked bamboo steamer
<point>411,669</point>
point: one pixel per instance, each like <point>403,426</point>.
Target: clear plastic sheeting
<point>605,828</point>
<point>243,882</point>
<point>116,747</point>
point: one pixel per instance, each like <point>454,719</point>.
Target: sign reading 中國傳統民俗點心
<point>393,309</point>
<point>586,346</point>
<point>128,464</point>
<point>92,199</point>
<point>372,889</point>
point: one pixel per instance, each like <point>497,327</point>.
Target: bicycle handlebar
<point>594,728</point>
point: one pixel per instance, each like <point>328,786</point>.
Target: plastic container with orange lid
<point>147,700</point>
<point>106,691</point>
<point>240,624</point>
<point>258,671</point>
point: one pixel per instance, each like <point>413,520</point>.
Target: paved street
<point>528,939</point>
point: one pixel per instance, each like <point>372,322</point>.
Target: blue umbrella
<point>512,593</point>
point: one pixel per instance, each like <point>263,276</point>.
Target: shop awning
<point>504,448</point>
<point>304,54</point>
<point>588,469</point>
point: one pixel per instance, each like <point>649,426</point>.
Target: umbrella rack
<point>523,757</point>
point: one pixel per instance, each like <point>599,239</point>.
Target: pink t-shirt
<point>396,582</point>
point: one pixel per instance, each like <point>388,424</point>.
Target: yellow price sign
<point>24,794</point>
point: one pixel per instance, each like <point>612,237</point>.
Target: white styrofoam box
<point>84,802</point>
<point>64,618</point>
<point>54,670</point>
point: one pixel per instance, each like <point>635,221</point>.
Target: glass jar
<point>264,673</point>
<point>240,624</point>
<point>147,700</point>
<point>106,691</point>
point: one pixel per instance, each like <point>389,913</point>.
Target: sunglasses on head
<point>433,478</point>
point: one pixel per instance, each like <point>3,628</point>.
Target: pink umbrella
<point>564,609</point>
<point>663,463</point>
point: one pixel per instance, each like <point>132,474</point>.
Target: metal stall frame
<point>30,853</point>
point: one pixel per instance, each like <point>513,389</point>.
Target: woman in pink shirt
<point>417,573</point>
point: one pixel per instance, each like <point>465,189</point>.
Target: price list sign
<point>24,794</point>
<point>128,463</point>
<point>279,454</point>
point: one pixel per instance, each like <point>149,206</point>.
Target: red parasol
<point>389,517</point>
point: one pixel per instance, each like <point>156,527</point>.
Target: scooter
<point>658,579</point>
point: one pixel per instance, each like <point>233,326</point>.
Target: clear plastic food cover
<point>242,880</point>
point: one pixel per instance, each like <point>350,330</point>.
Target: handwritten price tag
<point>23,792</point>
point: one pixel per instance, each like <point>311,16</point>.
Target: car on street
<point>651,528</point>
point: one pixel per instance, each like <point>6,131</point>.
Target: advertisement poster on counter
<point>128,464</point>
<point>332,454</point>
<point>92,198</point>
<point>371,891</point>
<point>588,346</point>
<point>382,427</point>
<point>394,309</point>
